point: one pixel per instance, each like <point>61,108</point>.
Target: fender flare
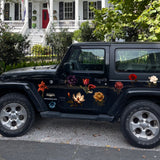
<point>29,90</point>
<point>119,105</point>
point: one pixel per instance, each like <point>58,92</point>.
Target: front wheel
<point>16,115</point>
<point>140,124</point>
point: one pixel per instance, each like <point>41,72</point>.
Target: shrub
<point>60,42</point>
<point>85,33</point>
<point>38,50</point>
<point>12,48</point>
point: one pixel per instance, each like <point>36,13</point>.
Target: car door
<point>85,89</point>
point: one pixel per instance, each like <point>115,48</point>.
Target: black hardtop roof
<point>112,43</point>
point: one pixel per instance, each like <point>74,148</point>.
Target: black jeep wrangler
<point>95,81</point>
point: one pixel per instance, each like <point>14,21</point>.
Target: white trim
<point>76,12</point>
<point>27,7</point>
<point>104,4</point>
<point>51,11</point>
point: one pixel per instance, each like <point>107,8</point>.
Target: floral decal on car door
<point>42,87</point>
<point>78,99</point>
<point>88,88</point>
<point>75,100</point>
<point>99,97</point>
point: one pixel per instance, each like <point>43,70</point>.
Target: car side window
<point>87,59</point>
<point>137,60</point>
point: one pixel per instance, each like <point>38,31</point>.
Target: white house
<point>35,17</point>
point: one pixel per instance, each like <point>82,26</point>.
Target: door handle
<point>100,80</point>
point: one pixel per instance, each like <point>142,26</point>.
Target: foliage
<point>34,12</point>
<point>34,25</point>
<point>120,20</point>
<point>3,28</point>
<point>60,42</point>
<point>85,33</point>
<point>149,22</point>
<point>38,49</point>
<point>34,18</point>
<point>12,47</point>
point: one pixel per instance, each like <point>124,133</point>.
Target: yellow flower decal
<point>98,96</point>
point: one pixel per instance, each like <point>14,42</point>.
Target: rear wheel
<point>140,124</point>
<point>16,115</point>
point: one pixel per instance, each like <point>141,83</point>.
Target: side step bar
<point>100,117</point>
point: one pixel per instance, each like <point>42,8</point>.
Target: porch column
<point>26,11</point>
<point>22,10</point>
<point>2,10</point>
<point>105,3</point>
<point>76,13</point>
<point>51,11</point>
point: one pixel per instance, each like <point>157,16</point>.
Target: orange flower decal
<point>42,87</point>
<point>69,95</point>
<point>98,96</point>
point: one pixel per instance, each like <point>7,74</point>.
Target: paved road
<point>22,150</point>
<point>81,132</point>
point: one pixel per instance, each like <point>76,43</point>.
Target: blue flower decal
<point>52,105</point>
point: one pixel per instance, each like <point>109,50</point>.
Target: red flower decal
<point>69,95</point>
<point>42,87</point>
<point>132,77</point>
<point>91,86</point>
<point>118,85</point>
<point>85,81</point>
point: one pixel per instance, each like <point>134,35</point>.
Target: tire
<point>140,124</point>
<point>16,115</point>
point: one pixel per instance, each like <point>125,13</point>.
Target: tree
<point>85,33</point>
<point>149,22</point>
<point>60,42</point>
<point>12,46</point>
<point>120,20</point>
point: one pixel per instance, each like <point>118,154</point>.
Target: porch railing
<point>15,25</point>
<point>63,23</point>
<point>68,23</point>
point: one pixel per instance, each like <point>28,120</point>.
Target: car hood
<point>29,72</point>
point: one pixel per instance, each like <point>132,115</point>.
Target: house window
<point>91,13</point>
<point>87,13</point>
<point>6,11</point>
<point>44,5</point>
<point>66,10</point>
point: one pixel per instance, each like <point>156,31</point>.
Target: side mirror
<point>67,67</point>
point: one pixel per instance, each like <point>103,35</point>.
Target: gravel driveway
<point>82,132</point>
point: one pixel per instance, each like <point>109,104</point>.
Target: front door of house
<point>45,18</point>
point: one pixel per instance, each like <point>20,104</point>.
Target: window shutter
<point>99,5</point>
<point>85,10</point>
<point>60,10</point>
<point>16,11</point>
<point>73,10</point>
